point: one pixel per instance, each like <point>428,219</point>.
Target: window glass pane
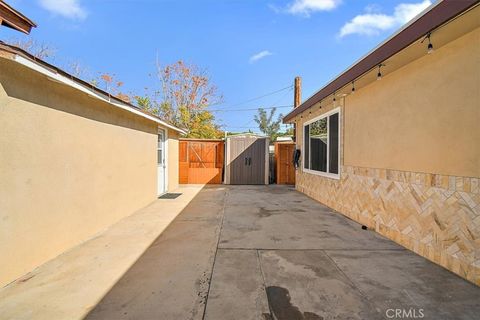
<point>333,144</point>
<point>160,141</point>
<point>318,145</point>
<point>159,156</point>
<point>306,145</point>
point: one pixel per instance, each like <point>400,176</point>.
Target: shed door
<point>238,162</point>
<point>247,161</point>
<point>257,162</point>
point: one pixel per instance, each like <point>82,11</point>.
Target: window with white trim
<point>321,142</point>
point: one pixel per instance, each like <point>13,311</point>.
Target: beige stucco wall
<point>423,117</point>
<point>173,164</point>
<point>70,166</point>
<point>410,157</point>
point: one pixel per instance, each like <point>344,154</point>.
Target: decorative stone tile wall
<point>436,216</point>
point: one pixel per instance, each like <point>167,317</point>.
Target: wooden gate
<point>285,170</point>
<point>201,161</point>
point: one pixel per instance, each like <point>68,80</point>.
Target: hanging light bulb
<point>353,87</point>
<point>430,45</point>
<point>379,74</point>
<point>334,96</point>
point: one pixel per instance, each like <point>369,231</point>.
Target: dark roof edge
<point>18,14</point>
<point>430,20</point>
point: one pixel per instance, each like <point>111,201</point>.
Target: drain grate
<point>170,196</point>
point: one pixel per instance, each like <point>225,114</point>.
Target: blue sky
<point>249,47</point>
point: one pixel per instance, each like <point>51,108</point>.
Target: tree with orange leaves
<point>183,99</point>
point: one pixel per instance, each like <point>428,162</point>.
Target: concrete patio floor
<point>269,252</point>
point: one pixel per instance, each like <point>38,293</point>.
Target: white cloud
<point>260,55</point>
<point>373,23</point>
<point>66,8</point>
<point>306,7</point>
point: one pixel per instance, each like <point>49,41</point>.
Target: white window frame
<point>323,116</point>
<point>164,131</point>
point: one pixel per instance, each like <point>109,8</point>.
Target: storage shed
<point>246,159</point>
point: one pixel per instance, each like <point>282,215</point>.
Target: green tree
<point>267,124</point>
<point>287,133</point>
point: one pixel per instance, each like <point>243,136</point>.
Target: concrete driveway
<point>269,252</point>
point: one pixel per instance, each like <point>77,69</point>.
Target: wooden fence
<point>201,161</point>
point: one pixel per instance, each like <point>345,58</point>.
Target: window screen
<point>321,145</point>
<point>306,145</point>
<point>333,143</point>
<point>318,145</point>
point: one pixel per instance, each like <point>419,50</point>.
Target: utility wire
<point>254,126</point>
<point>249,109</point>
<point>260,97</point>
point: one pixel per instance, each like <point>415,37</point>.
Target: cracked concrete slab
<point>276,217</point>
<point>269,252</point>
<point>271,263</point>
<point>404,280</point>
<point>237,290</point>
<point>171,279</point>
<point>308,285</point>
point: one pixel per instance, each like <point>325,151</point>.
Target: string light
<point>430,45</point>
<point>379,74</point>
<point>353,87</point>
<point>334,96</point>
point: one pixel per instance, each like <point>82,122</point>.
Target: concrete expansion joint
<point>216,251</point>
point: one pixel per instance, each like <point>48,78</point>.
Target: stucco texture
<point>70,166</point>
<point>410,157</point>
<point>423,117</point>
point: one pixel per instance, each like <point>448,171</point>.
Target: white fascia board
<point>54,76</point>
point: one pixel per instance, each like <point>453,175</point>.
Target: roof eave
<point>14,19</point>
<point>58,75</point>
<point>433,17</point>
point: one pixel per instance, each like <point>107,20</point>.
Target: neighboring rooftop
<point>11,18</point>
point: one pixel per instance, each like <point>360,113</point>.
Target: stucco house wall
<point>410,157</point>
<point>70,166</point>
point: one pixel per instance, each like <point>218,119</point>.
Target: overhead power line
<point>260,97</point>
<point>249,109</point>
